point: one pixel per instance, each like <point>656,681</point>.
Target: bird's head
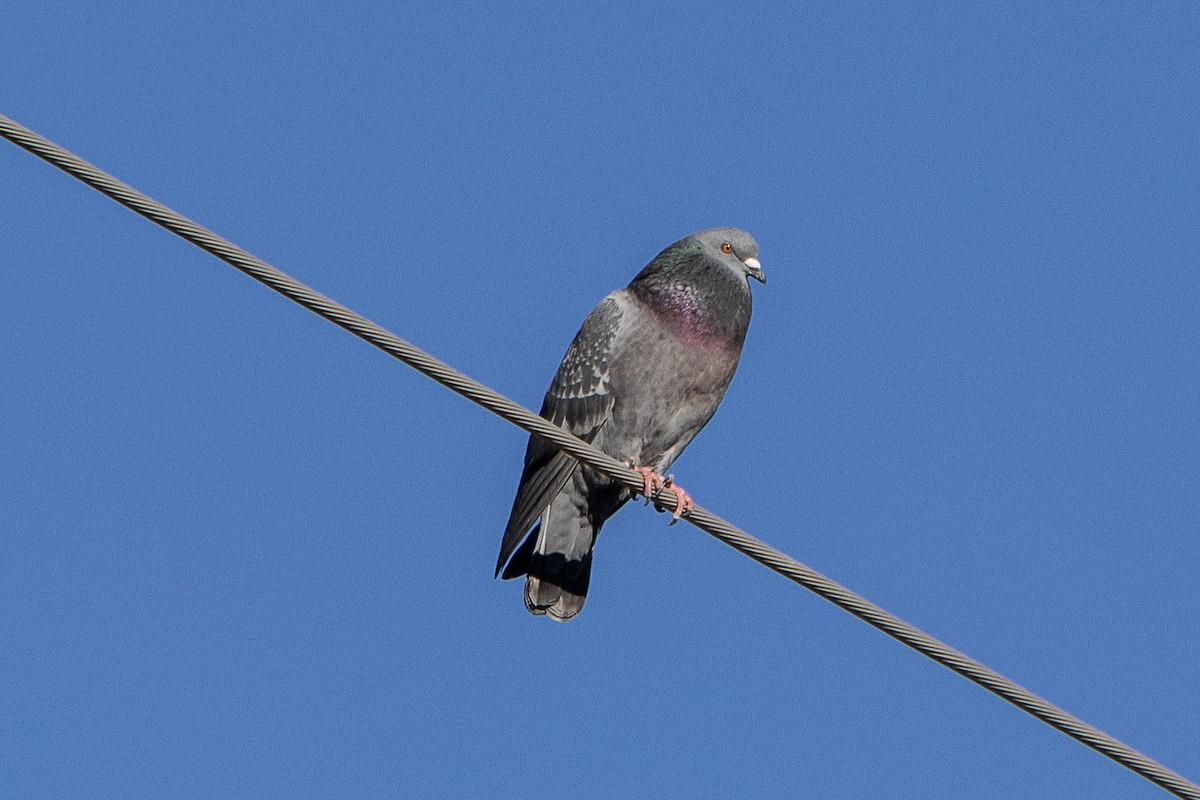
<point>732,248</point>
<point>706,258</point>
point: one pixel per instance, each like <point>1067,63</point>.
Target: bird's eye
<point>727,248</point>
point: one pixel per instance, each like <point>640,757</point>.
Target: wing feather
<point>578,400</point>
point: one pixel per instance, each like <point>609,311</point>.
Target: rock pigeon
<point>644,374</point>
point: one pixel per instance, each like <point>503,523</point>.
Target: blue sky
<point>247,555</point>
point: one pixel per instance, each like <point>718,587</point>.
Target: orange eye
<point>727,248</point>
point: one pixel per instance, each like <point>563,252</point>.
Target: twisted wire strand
<point>522,417</point>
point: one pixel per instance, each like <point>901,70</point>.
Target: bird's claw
<point>683,500</point>
<point>653,483</point>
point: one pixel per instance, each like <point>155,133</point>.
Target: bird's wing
<point>579,401</point>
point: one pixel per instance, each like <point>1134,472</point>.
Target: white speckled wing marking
<point>583,372</point>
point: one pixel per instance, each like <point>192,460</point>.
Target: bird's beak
<point>755,269</point>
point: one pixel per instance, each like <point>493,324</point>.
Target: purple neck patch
<point>685,313</point>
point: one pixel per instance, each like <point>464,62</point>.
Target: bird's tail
<point>555,592</point>
<point>560,559</point>
<point>560,568</point>
<point>557,572</point>
<point>556,558</point>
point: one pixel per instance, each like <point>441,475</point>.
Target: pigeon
<point>644,374</point>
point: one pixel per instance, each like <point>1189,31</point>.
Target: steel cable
<point>517,414</point>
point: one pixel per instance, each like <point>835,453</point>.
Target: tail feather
<point>557,586</point>
<point>557,555</point>
<point>553,601</point>
<point>560,565</point>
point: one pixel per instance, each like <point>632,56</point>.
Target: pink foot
<point>683,500</point>
<point>654,483</point>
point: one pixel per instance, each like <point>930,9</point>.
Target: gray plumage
<point>644,374</point>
